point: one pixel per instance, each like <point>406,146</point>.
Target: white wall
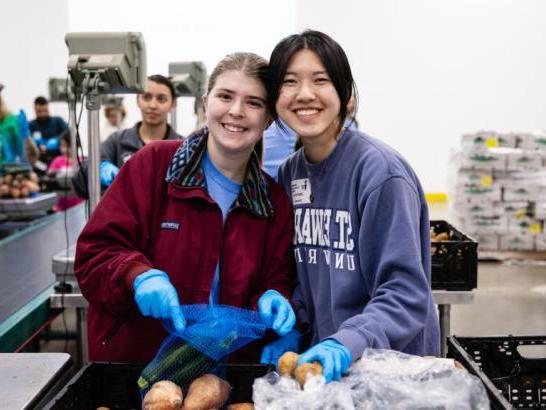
<point>429,70</point>
<point>204,30</point>
<point>33,50</point>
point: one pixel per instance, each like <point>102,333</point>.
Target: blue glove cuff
<point>335,343</point>
<point>149,274</point>
<point>272,292</point>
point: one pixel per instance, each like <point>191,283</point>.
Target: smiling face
<point>236,114</point>
<point>308,101</point>
<point>155,104</point>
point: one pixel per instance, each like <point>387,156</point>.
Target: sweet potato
<point>164,395</point>
<point>305,370</point>
<point>287,363</point>
<point>241,406</point>
<point>442,236</point>
<point>207,392</point>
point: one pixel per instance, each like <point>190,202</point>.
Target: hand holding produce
<point>335,358</point>
<point>276,312</point>
<point>306,370</point>
<point>207,392</point>
<point>287,364</point>
<point>164,395</point>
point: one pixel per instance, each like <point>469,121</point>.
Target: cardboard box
<point>515,242</point>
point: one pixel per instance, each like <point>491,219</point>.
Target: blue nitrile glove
<point>52,144</point>
<point>38,140</point>
<point>107,173</point>
<point>290,342</point>
<point>334,357</point>
<point>276,312</point>
<point>23,123</point>
<point>157,297</point>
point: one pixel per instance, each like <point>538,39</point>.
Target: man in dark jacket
<point>155,105</point>
<point>46,129</point>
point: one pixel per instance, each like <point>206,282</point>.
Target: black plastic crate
<point>511,380</point>
<point>114,385</point>
<point>454,261</point>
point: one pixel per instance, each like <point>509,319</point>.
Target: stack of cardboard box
<point>499,190</point>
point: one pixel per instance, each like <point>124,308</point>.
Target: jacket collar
<point>130,137</point>
<point>186,170</point>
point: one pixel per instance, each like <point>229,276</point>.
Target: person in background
<point>11,140</point>
<point>61,167</point>
<point>115,120</point>
<point>46,129</point>
<point>279,143</point>
<point>154,104</point>
<point>362,242</point>
<point>192,222</point>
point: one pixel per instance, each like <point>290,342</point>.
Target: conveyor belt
<point>25,258</point>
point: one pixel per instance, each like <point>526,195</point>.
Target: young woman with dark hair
<point>362,242</point>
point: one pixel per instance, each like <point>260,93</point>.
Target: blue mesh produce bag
<point>218,330</point>
<point>212,332</point>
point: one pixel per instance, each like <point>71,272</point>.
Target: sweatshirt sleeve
<point>391,263</point>
<point>109,250</point>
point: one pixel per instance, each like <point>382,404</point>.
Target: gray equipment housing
<point>188,78</point>
<point>118,58</point>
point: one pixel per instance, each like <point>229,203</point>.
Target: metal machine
<point>101,63</point>
<point>189,79</point>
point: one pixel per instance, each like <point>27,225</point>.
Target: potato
<point>207,392</point>
<point>8,179</point>
<point>241,406</point>
<point>305,370</point>
<point>15,193</point>
<point>32,186</point>
<point>442,236</point>
<point>34,177</point>
<point>4,190</point>
<point>164,395</point>
<point>15,183</point>
<point>25,192</point>
<point>287,363</point>
<point>103,408</point>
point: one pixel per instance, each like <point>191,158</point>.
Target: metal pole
<point>174,119</point>
<point>72,126</point>
<point>93,158</point>
<point>445,327</point>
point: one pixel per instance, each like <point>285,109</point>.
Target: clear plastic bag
<point>273,392</point>
<point>381,379</point>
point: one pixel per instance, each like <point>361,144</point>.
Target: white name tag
<point>301,191</point>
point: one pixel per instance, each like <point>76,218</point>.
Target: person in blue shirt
<point>279,143</point>
<point>362,241</point>
<point>46,129</point>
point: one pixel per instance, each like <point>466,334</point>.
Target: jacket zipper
<point>221,263</point>
<point>112,333</point>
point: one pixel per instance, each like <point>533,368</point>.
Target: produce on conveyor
<point>20,185</point>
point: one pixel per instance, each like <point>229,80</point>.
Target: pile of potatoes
<point>288,366</point>
<point>205,393</point>
<point>18,185</point>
